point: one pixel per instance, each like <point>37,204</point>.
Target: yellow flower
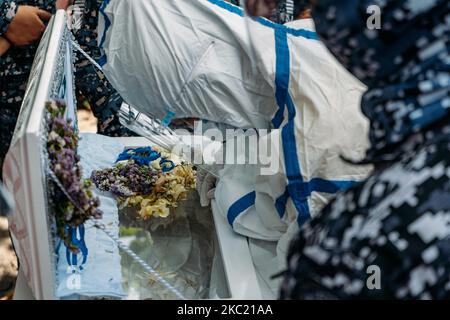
<point>176,191</point>
<point>135,200</point>
<point>163,211</point>
<point>155,164</point>
<point>145,202</point>
<point>146,212</point>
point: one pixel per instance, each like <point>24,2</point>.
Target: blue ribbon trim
<point>103,59</point>
<point>281,202</point>
<point>282,76</point>
<point>142,156</point>
<point>240,12</point>
<point>168,118</point>
<point>297,188</point>
<point>292,162</point>
<point>167,165</point>
<point>240,206</point>
<point>330,186</point>
<point>72,258</point>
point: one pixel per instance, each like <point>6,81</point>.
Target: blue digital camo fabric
<point>8,10</point>
<point>286,10</point>
<point>16,64</point>
<point>289,10</point>
<point>91,83</point>
<point>399,219</point>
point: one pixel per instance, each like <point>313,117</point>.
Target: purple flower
<point>64,161</point>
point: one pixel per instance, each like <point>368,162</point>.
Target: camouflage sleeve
<point>90,82</point>
<point>8,9</point>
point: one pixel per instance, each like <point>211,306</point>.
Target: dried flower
<point>64,162</point>
<point>146,184</point>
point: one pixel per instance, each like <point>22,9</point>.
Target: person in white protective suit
<point>194,59</point>
<point>321,121</point>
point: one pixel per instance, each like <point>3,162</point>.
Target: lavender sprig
<point>65,163</point>
<point>125,180</point>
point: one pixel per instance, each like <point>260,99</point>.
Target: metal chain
<point>85,54</point>
<point>141,262</point>
<point>156,125</point>
<point>119,243</point>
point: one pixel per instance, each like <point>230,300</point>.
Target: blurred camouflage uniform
<point>394,227</point>
<point>15,66</point>
<point>91,83</point>
<point>286,10</point>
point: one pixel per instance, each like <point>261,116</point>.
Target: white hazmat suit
<point>193,59</point>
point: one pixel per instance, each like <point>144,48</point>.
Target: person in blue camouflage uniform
<point>15,66</point>
<point>284,10</point>
<point>389,237</point>
<point>90,82</point>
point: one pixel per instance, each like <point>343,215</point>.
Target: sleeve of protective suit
<point>319,120</point>
<point>189,58</point>
<point>8,9</point>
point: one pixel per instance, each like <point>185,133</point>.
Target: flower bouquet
<point>75,204</point>
<point>149,179</point>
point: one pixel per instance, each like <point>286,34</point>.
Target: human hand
<point>62,4</point>
<point>260,8</point>
<point>27,26</point>
<point>4,45</point>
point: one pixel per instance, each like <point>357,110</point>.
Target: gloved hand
<point>206,183</point>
